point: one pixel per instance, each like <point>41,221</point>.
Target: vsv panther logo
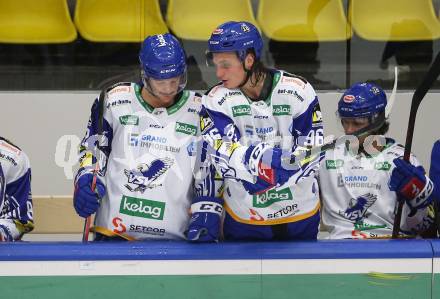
<point>144,176</point>
<point>358,207</point>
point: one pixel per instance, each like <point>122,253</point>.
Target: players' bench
<point>56,215</point>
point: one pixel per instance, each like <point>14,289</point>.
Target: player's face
<point>354,124</point>
<point>229,69</point>
<point>165,90</point>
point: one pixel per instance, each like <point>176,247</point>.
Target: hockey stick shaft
<point>88,220</point>
<point>307,153</point>
<point>417,98</point>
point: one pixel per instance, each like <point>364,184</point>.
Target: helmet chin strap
<point>147,85</point>
<point>375,125</point>
<point>248,76</point>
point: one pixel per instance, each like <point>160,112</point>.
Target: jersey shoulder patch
<point>213,88</point>
<point>294,88</point>
<point>13,157</point>
<point>292,79</point>
<point>8,146</point>
<point>193,104</point>
<point>219,97</point>
<point>121,87</point>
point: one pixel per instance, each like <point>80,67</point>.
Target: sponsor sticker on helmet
<point>245,28</point>
<point>161,40</point>
<point>349,98</point>
<point>218,31</point>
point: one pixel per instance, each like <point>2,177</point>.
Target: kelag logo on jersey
<point>268,198</point>
<point>334,164</point>
<point>144,208</point>
<point>281,110</point>
<point>127,120</point>
<point>358,207</point>
<point>241,110</point>
<point>186,128</point>
<point>144,176</point>
<point>382,166</point>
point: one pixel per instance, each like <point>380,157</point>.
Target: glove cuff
<point>254,156</point>
<point>424,195</point>
<point>207,204</point>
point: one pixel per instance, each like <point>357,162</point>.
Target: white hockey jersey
<point>16,211</point>
<point>357,202</point>
<point>146,162</point>
<point>287,116</point>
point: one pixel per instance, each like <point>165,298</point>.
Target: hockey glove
<point>411,185</point>
<point>86,201</point>
<point>265,162</point>
<point>206,214</point>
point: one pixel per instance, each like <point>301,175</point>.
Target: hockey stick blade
<point>417,98</point>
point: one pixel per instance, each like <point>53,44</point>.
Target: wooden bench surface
<point>56,215</point>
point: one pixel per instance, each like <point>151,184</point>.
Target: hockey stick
<point>88,220</point>
<point>417,98</point>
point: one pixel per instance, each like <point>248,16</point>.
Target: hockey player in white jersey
<point>16,211</point>
<point>361,180</point>
<point>253,119</point>
<point>145,183</point>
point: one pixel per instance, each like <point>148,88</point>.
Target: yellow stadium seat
<point>303,20</point>
<point>35,22</point>
<point>118,20</point>
<point>196,19</point>
<point>394,20</point>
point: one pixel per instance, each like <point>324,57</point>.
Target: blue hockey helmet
<point>362,100</point>
<point>236,36</point>
<point>162,57</point>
